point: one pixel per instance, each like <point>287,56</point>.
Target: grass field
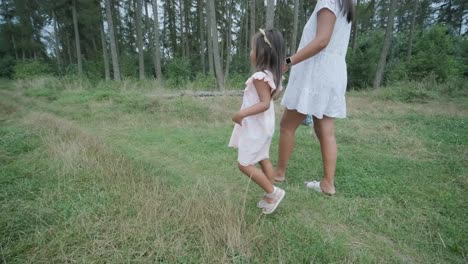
<point>116,173</point>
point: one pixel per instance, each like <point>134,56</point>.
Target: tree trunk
<point>209,40</point>
<point>355,27</point>
<point>77,39</point>
<point>386,46</point>
<point>252,24</point>
<point>229,40</point>
<point>104,52</point>
<point>147,25</point>
<point>270,15</point>
<point>201,20</point>
<point>295,26</point>
<point>188,34</point>
<point>14,47</point>
<point>247,39</point>
<point>141,58</point>
<point>149,31</point>
<point>95,48</point>
<point>182,35</point>
<point>252,18</point>
<point>115,11</point>
<point>214,39</point>
<point>115,57</point>
<point>413,22</point>
<point>69,53</point>
<point>56,41</point>
<point>157,49</point>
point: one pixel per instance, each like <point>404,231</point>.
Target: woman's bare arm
<point>325,24</point>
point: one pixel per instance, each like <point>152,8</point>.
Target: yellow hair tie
<point>265,37</point>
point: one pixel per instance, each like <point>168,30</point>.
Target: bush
<point>178,72</point>
<point>435,53</point>
<point>30,69</point>
<point>362,63</point>
<point>396,71</point>
<point>204,82</point>
<point>237,81</point>
<point>94,69</point>
<point>7,67</point>
<point>128,65</point>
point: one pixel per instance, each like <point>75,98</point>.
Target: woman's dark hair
<point>270,58</point>
<point>347,7</point>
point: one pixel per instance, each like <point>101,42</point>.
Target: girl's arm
<point>264,93</point>
<point>325,24</point>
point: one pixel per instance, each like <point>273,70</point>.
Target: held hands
<point>285,68</point>
<point>237,118</point>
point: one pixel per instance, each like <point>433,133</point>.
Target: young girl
<point>255,122</point>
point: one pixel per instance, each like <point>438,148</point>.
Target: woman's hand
<point>237,118</point>
<point>285,68</point>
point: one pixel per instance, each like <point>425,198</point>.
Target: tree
<point>141,59</point>
<point>252,18</point>
<point>214,40</point>
<point>115,57</point>
<point>104,52</point>
<point>295,26</point>
<point>77,38</point>
<point>270,14</point>
<point>201,20</point>
<point>413,22</point>
<point>230,9</point>
<point>209,41</point>
<point>157,46</point>
<point>386,46</point>
<point>355,26</point>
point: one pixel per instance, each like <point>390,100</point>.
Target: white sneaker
<point>277,195</point>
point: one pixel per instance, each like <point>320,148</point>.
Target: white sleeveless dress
<point>317,86</point>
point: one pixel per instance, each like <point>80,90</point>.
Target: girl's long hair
<point>270,58</point>
<point>347,8</point>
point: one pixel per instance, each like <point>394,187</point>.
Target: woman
<point>317,86</point>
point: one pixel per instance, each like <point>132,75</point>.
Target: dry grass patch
<point>122,210</point>
<point>358,106</point>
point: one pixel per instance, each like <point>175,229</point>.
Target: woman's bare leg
<point>289,122</point>
<point>324,129</point>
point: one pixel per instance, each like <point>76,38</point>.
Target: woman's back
<point>340,38</point>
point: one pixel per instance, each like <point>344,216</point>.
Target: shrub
<point>237,81</point>
<point>204,82</point>
<point>434,53</point>
<point>30,69</point>
<point>7,67</point>
<point>362,62</point>
<point>178,72</point>
<point>94,69</point>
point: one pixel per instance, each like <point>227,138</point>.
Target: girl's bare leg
<point>267,169</point>
<point>257,176</point>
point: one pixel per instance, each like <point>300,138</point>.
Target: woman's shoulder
<point>331,5</point>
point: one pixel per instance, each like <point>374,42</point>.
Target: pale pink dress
<point>253,138</point>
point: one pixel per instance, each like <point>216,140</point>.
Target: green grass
<point>117,174</point>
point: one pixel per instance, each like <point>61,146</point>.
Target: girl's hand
<point>285,68</point>
<point>237,118</point>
